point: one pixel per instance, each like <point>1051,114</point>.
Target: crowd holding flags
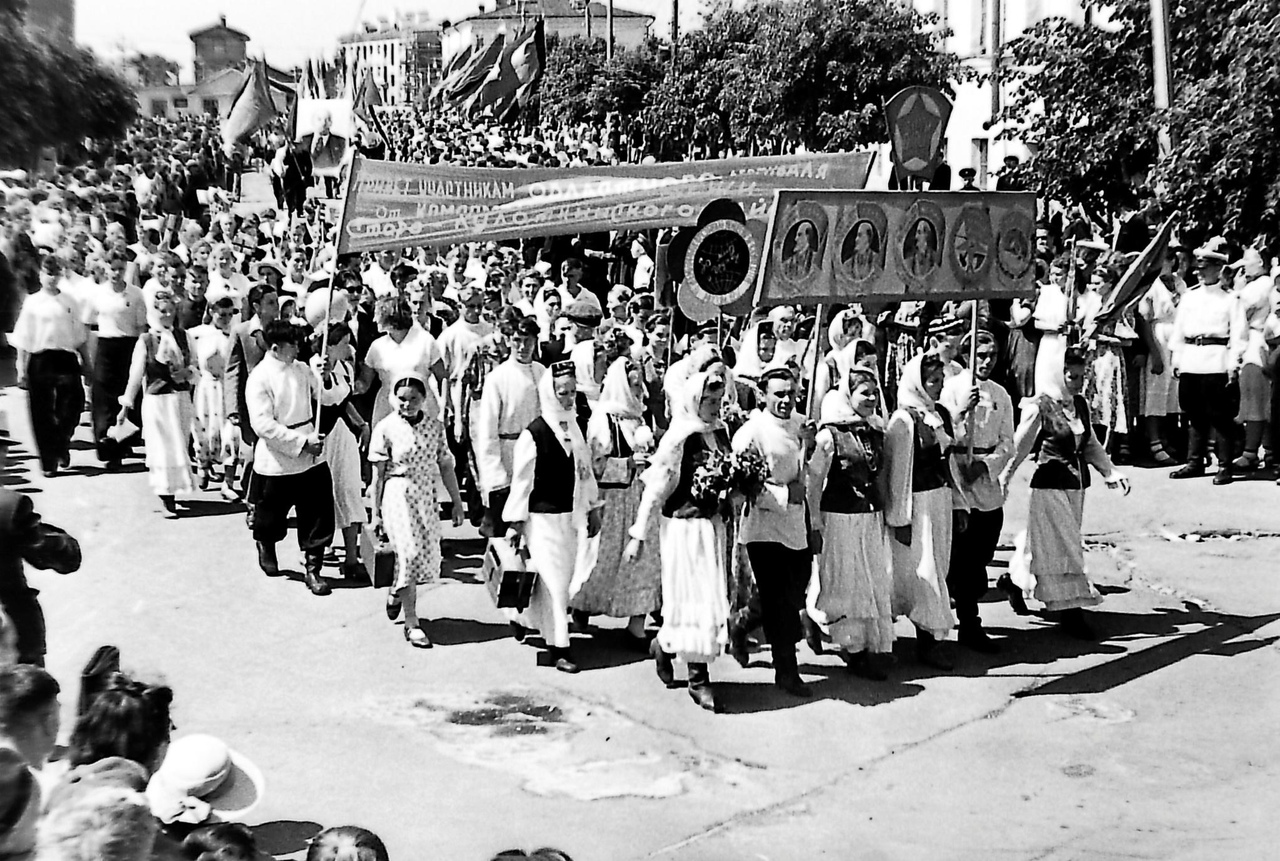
<point>252,107</point>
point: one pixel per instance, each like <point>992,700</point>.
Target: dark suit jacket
<point>327,157</point>
<point>25,538</point>
<point>247,350</point>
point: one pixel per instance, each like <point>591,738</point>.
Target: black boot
<point>1006,585</point>
<point>929,654</point>
<point>267,558</point>
<point>579,622</point>
<point>738,648</point>
<point>973,636</point>
<point>1074,624</point>
<point>867,665</point>
<point>812,633</point>
<point>1193,468</point>
<point>662,664</point>
<point>700,688</point>
<point>311,573</point>
<point>786,673</point>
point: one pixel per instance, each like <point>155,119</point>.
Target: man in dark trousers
<point>247,349</point>
<point>24,537</point>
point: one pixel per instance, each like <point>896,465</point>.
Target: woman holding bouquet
<point>687,485</point>
<point>919,505</point>
<point>619,438</point>
<point>848,483</point>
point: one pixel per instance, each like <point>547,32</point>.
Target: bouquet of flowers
<point>712,480</point>
<point>750,471</point>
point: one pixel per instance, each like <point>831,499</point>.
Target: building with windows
<point>976,26</point>
<point>562,17</point>
<point>217,48</point>
<point>403,56</point>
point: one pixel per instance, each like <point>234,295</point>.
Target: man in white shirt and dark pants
<point>288,466</point>
<point>775,529</point>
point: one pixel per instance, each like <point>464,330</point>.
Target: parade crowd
<point>774,479</point>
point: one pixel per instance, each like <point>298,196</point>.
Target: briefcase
<point>378,558</point>
<point>508,574</point>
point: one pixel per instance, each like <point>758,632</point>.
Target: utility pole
<point>997,46</point>
<point>608,47</point>
<point>1162,72</point>
<point>675,30</point>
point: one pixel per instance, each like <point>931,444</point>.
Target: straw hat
<point>202,780</point>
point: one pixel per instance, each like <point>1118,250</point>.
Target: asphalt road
<point>1155,742</point>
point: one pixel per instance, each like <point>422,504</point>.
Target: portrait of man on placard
<point>860,253</point>
<point>920,248</point>
<point>800,250</point>
<point>326,148</point>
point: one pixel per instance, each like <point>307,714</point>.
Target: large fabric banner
<point>393,204</point>
<point>848,246</point>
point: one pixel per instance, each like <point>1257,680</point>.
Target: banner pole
<point>328,311</point>
<point>972,420</point>
<point>815,341</point>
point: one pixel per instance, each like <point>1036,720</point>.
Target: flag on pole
<point>511,81</point>
<point>310,87</point>
<point>366,99</point>
<point>251,109</point>
<point>1137,279</point>
<point>473,74</point>
<point>450,73</point>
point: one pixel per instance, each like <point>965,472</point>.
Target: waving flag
<point>511,81</point>
<point>251,109</point>
<point>450,73</point>
<point>1137,279</point>
<point>473,74</point>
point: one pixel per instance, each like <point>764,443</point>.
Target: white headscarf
<point>837,404</point>
<point>685,422</point>
<point>616,396</point>
<point>563,422</point>
<point>912,396</point>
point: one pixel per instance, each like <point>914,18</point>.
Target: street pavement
<point>1157,741</point>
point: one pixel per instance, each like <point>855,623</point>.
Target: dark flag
<point>473,74</point>
<point>1137,279</point>
<point>450,73</point>
<point>252,107</point>
<point>367,98</point>
<point>513,79</point>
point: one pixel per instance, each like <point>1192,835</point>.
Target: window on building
<point>180,103</point>
<point>159,108</point>
<point>210,107</point>
<point>980,160</point>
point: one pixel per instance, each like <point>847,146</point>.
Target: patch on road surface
<point>1093,709</point>
<point>559,745</point>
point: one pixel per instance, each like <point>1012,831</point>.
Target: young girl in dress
<point>211,345</point>
<point>1049,557</point>
<point>848,483</point>
<point>409,453</point>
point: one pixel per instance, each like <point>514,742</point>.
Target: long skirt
<point>166,431</point>
<point>920,570</point>
<point>111,363</point>
<point>1255,395</point>
<point>342,453</point>
<point>413,529</point>
<point>556,548</point>
<point>210,416</point>
<point>1159,392</point>
<point>614,587</point>
<point>1048,558</point>
<point>695,607</point>
<point>855,581</point>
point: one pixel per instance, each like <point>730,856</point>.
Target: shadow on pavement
<point>459,632</point>
<point>460,559</point>
<point>838,684</point>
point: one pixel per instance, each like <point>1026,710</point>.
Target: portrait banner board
<point>394,204</point>
<point>314,115</point>
<point>850,246</point>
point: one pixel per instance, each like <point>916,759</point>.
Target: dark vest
<point>158,375</point>
<point>681,503</point>
<point>929,468</point>
<point>851,486</point>
<point>1059,459</point>
<point>553,472</point>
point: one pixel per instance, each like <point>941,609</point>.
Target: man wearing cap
<point>507,406</point>
<point>24,537</point>
<point>1208,331</point>
<point>979,509</point>
<point>774,529</point>
<point>288,468</point>
<point>583,318</point>
<point>967,176</point>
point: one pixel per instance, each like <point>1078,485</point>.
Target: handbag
<point>618,472</point>
<point>508,574</point>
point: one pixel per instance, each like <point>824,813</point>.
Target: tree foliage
<point>775,73</point>
<point>54,95</point>
<point>1081,96</point>
<point>153,70</point>
<point>580,84</point>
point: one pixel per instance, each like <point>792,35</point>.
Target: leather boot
<point>662,664</point>
<point>311,573</point>
<point>812,633</point>
<point>563,660</point>
<point>700,689</point>
<point>929,654</point>
<point>786,673</point>
<point>973,636</point>
<point>1193,468</point>
<point>267,559</point>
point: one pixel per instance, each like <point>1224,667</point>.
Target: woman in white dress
<point>919,504</point>
<point>410,455</point>
<point>692,538</point>
<point>1048,560</point>
<point>848,483</point>
<point>225,279</point>
<point>405,348</point>
<point>163,364</point>
<point>619,439</point>
<point>1157,386</point>
<point>345,432</point>
<point>211,345</point>
<point>554,506</point>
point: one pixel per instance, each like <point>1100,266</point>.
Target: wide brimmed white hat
<point>203,780</point>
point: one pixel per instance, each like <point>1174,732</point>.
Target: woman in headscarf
<point>1048,559</point>
<point>409,452</point>
<point>692,537</point>
<point>164,365</point>
<point>555,516</point>
<point>619,440</point>
<point>345,433</point>
<point>847,487</point>
<point>918,508</point>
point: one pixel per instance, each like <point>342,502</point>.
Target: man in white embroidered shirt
<point>288,470</point>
